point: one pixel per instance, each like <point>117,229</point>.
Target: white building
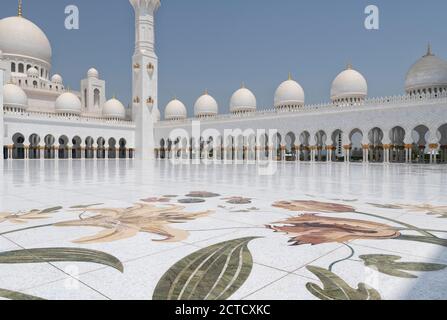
<point>42,119</point>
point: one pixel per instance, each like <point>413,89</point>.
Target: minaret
<point>145,77</point>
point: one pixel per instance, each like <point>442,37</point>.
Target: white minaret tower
<point>145,77</point>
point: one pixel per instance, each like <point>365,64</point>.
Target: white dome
<point>114,109</point>
<point>156,114</point>
<point>349,84</point>
<point>68,103</point>
<point>56,79</point>
<point>175,110</point>
<point>93,73</point>
<point>289,93</point>
<point>243,100</point>
<point>429,72</point>
<point>33,72</point>
<point>14,97</point>
<point>20,37</point>
<point>206,105</point>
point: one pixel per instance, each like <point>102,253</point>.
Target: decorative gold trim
<point>19,9</point>
<point>433,146</point>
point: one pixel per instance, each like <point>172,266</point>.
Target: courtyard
<point>127,229</point>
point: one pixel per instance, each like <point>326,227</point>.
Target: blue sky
<point>218,44</point>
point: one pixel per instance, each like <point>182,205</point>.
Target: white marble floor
<point>132,230</point>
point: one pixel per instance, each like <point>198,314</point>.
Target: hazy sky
<point>217,44</point>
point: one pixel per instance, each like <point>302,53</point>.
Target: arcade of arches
<point>396,145</point>
<point>63,147</point>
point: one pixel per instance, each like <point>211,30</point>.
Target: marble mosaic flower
<point>27,216</point>
<point>237,200</point>
<point>312,206</point>
<point>314,230</point>
<point>123,223</point>
<point>202,194</point>
<point>156,200</point>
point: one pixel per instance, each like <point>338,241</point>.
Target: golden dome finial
<point>19,10</point>
<point>290,76</point>
<point>243,85</point>
<point>349,66</point>
<point>114,96</point>
<point>206,92</point>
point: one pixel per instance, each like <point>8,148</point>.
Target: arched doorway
<point>76,150</point>
<point>34,148</point>
<point>305,146</point>
<point>49,147</point>
<point>112,148</point>
<point>89,149</point>
<point>337,153</point>
<point>63,147</point>
<point>101,150</point>
<point>122,148</point>
<point>376,151</point>
<point>356,152</point>
<point>420,136</point>
<point>290,139</point>
<point>321,152</point>
<point>18,149</point>
<point>276,145</point>
<point>397,152</point>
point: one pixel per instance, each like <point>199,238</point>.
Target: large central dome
<point>21,37</point>
<point>428,74</point>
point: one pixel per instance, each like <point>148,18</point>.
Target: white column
<point>145,77</point>
<point>1,117</point>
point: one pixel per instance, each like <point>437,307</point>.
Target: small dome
<point>156,114</point>
<point>33,72</point>
<point>56,79</point>
<point>427,74</point>
<point>349,86</point>
<point>289,94</point>
<point>68,103</point>
<point>21,37</point>
<point>206,106</point>
<point>243,100</point>
<point>93,73</point>
<point>14,97</point>
<point>175,110</point>
<point>114,109</point>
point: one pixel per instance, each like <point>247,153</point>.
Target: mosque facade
<point>43,119</point>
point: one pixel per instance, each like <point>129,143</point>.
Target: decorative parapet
<point>18,114</point>
<point>392,101</point>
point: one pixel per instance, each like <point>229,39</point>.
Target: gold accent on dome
<point>290,76</point>
<point>349,66</point>
<point>19,9</point>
